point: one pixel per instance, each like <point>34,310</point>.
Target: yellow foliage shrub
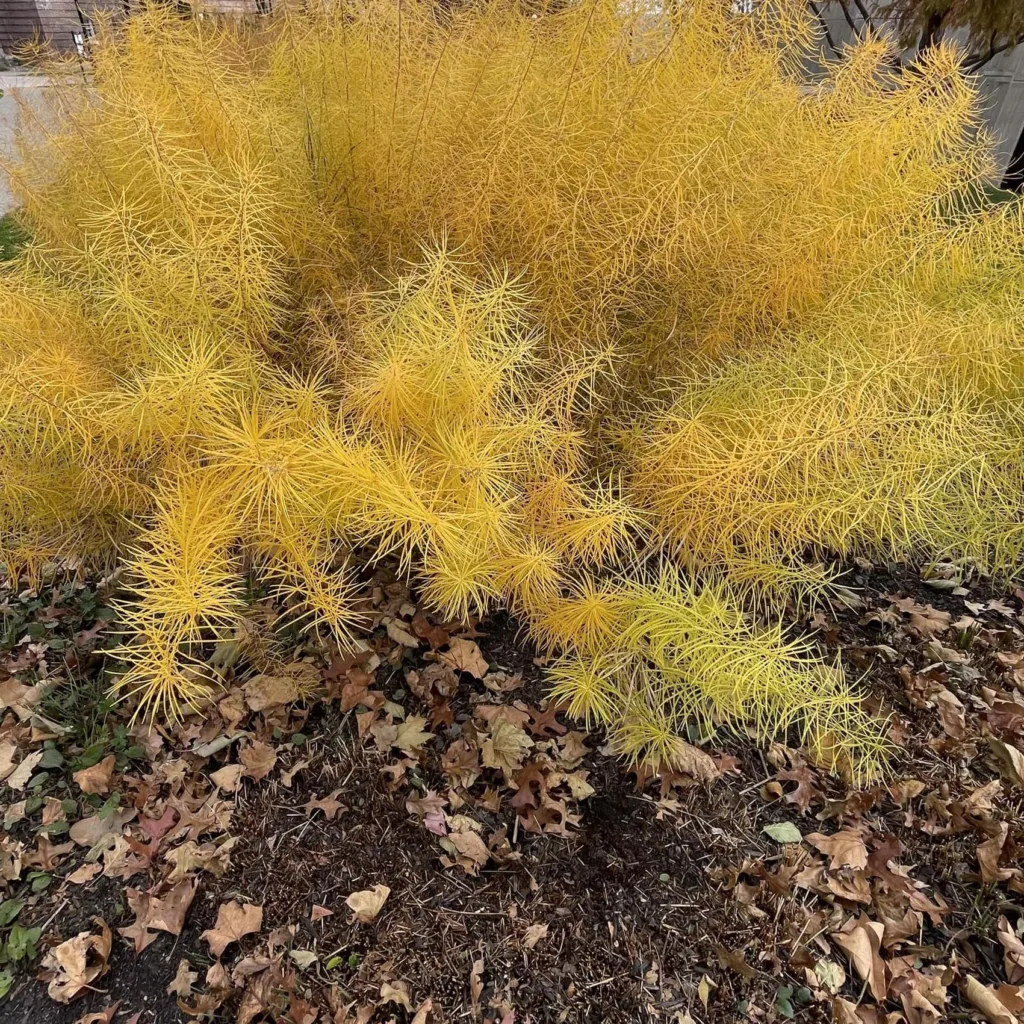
<point>605,316</point>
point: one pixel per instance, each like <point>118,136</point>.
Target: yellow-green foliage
<point>606,316</point>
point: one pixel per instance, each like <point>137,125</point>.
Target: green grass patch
<point>12,237</point>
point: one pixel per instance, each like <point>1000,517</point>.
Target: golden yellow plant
<point>608,316</point>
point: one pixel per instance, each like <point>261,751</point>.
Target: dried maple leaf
<point>234,921</point>
<point>153,913</point>
<point>516,713</point>
<point>75,964</point>
<point>97,778</point>
<point>330,806</point>
<point>461,763</point>
<point>435,635</point>
<point>214,858</point>
<point>465,656</point>
<point>411,736</point>
<point>366,904</point>
<point>262,998</point>
<point>441,713</point>
<point>429,803</point>
<point>502,682</point>
<point>901,922</point>
<point>157,828</point>
<point>286,684</point>
<point>572,750</point>
<point>506,748</point>
<point>183,980</point>
<point>980,802</point>
<point>357,694</point>
<point>734,960</point>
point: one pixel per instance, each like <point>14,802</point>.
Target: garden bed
<point>530,875</point>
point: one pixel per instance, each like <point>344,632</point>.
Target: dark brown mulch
<point>641,901</point>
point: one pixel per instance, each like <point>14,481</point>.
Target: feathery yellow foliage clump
<point>692,322</point>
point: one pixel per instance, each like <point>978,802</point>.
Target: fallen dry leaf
<point>685,757</point>
<point>19,778</point>
<point>465,656</point>
<point>106,1016</point>
<point>397,993</point>
<point>861,942</point>
<point>476,983</point>
<point>76,963</point>
<point>153,913</point>
<point>401,636</point>
<point>330,806</point>
<point>506,748</point>
<point>367,903</point>
<point>422,1014</point>
<point>86,873</point>
<point>285,684</point>
<point>1011,761</point>
<point>988,854</point>
<point>214,858</point>
<point>97,778</point>
<point>924,618</point>
<point>287,777</point>
<point>986,1002</point>
<point>7,752</point>
<point>184,979</point>
<point>234,921</point>
<point>1013,952</point>
<point>411,736</point>
<point>534,934</point>
<point>89,831</point>
<point>846,848</point>
<point>258,758</point>
<point>227,778</point>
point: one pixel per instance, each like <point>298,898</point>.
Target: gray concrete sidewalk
<point>23,84</point>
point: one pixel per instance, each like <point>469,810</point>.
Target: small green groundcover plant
<point>601,314</point>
